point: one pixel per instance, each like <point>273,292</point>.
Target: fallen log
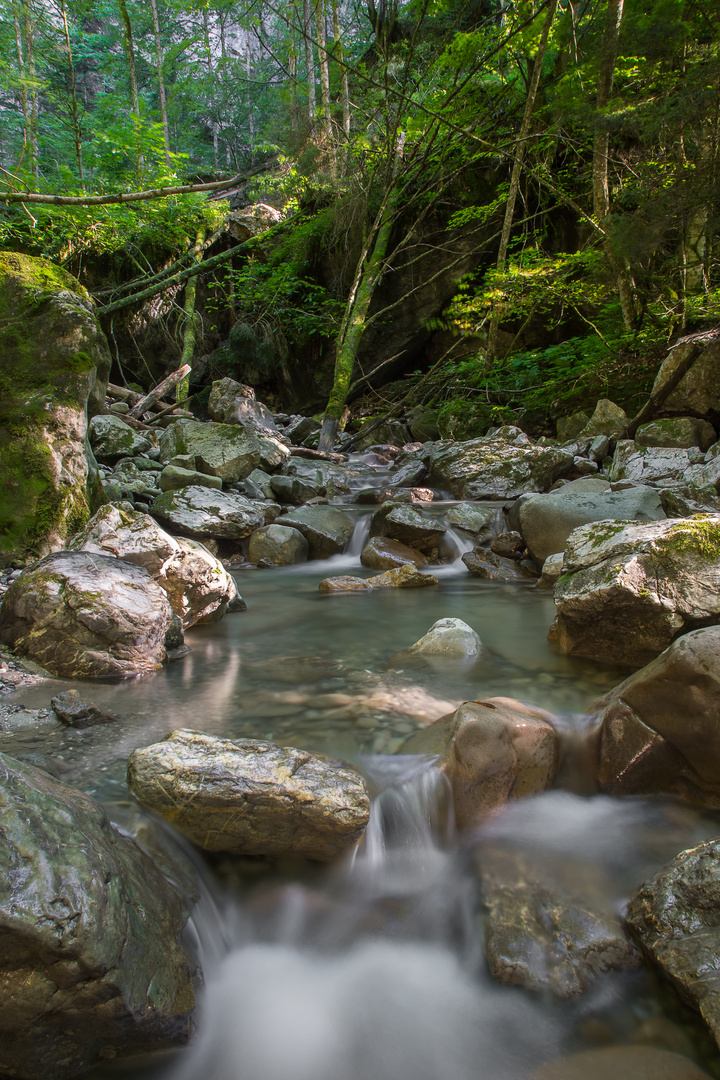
<point>157,392</point>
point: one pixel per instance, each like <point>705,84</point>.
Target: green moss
<point>699,535</point>
<point>605,531</point>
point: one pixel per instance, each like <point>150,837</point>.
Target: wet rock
<point>448,637</point>
<point>498,466</point>
<point>382,553</point>
<point>675,918</point>
<point>199,512</point>
<point>677,431</point>
<point>471,518</point>
<point>402,577</point>
<point>608,419</point>
<point>172,478</point>
<point>326,529</point>
<point>92,965</point>
<point>195,581</point>
<point>319,472</point>
<point>295,490</point>
<point>345,583</point>
<point>250,797</point>
<point>628,589</point>
<point>87,616</point>
<point>223,450</point>
<point>551,922</point>
<point>111,438</point>
<point>409,472</point>
<point>300,428</point>
<point>698,392</point>
<point>278,545</point>
<point>546,521</point>
<point>257,485</point>
<point>408,525</point>
<point>391,433</point>
<point>659,729</point>
<point>622,1063</point>
<point>551,571</point>
<point>232,402</point>
<point>77,712</point>
<point>509,545</point>
<point>486,564</point>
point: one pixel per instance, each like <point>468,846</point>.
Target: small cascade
<point>359,538</point>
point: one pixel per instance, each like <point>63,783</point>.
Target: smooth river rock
<point>250,797</point>
<point>407,524</point>
<point>675,918</point>
<point>326,529</point>
<point>627,589</point>
<point>86,616</point>
<point>406,576</point>
<point>383,553</point>
<point>277,545</point>
<point>486,564</point>
<point>660,729</point>
<point>448,637</point>
<point>91,965</point>
<point>200,512</point>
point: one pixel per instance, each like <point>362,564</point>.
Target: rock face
<point>223,450</point>
<point>660,729</point>
<point>278,545</point>
<point>698,392</point>
<point>199,512</point>
<point>196,583</point>
<point>233,403</point>
<point>628,589</point>
<point>87,616</point>
<point>111,439</point>
<point>499,466</point>
<point>91,963</point>
<point>382,553</point>
<point>550,925</point>
<point>546,521</point>
<point>326,529</point>
<point>675,919</point>
<point>250,797</point>
<point>55,364</point>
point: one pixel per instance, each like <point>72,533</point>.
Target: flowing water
<point>374,969</point>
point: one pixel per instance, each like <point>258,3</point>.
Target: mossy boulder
<point>501,465</point>
<point>55,363</point>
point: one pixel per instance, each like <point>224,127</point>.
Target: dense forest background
<point>483,211</point>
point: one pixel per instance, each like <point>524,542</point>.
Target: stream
<point>375,968</point>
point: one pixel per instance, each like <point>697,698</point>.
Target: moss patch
<point>699,535</point>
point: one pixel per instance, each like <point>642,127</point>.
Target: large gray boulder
<point>225,450</point>
<point>608,419</point>
<point>250,797</point>
<point>232,402</point>
<point>295,490</point>
<point>698,392</point>
<point>409,525</point>
<point>627,589</point>
<point>665,466</point>
<point>278,545</point>
<point>199,512</point>
<point>86,616</point>
<point>54,364</point>
<point>196,583</point>
<point>679,431</point>
<point>326,529</point>
<point>659,731</point>
<point>174,477</point>
<point>111,439</point>
<point>546,521</point>
<point>91,965</point>
<point>675,918</point>
<point>503,465</point>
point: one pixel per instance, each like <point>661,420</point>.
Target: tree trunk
<point>161,81</point>
<point>251,113</point>
<point>132,70</point>
<point>32,77</point>
<point>309,64</point>
<point>517,170</point>
<point>324,70</point>
<point>344,82</point>
<point>191,321</point>
<point>27,139</point>
<point>76,114</point>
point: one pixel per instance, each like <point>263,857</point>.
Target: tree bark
<point>339,53</point>
<point>161,81</point>
<point>309,64</point>
<point>157,392</point>
<point>120,197</point>
<point>324,70</point>
<point>191,321</point>
<point>73,91</point>
<point>132,70</point>
<point>23,76</point>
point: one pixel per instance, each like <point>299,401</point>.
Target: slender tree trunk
<point>208,56</point>
<point>161,80</point>
<point>76,113</point>
<point>344,82</point>
<point>191,321</point>
<point>324,70</point>
<point>27,137</point>
<point>132,71</point>
<point>370,269</point>
<point>601,143</point>
<point>309,64</point>
<point>251,112</point>
<point>32,77</point>
<point>517,169</point>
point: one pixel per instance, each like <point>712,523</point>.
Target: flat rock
<point>326,529</point>
<point>88,616</point>
<point>345,583</point>
<point>406,576</point>
<point>92,967</point>
<point>199,512</point>
<point>250,797</point>
<point>173,477</point>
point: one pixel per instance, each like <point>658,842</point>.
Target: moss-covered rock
<point>55,362</point>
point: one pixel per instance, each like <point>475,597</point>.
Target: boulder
<point>569,427</point>
<point>250,797</point>
<point>257,485</point>
<point>628,589</point>
<point>608,419</point>
<point>278,545</point>
<point>490,751</point>
<point>406,576</point>
<point>546,521</point>
<point>675,919</point>
<point>698,392</point>
<point>660,729</point>
<point>667,466</point>
<point>92,967</point>
<point>77,712</point>
<point>509,545</point>
<point>498,466</point>
<point>111,439</point>
<point>223,450</point>
<point>471,518</point>
<point>301,428</point>
<point>486,564</point>
<point>391,433</point>
<point>382,553</point>
<point>448,637</point>
<point>53,372</point>
<point>408,525</point>
<point>552,923</point>
<point>199,512</point>
<point>231,402</point>
<point>551,571</point>
<point>326,529</point>
<point>86,616</point>
<point>678,431</point>
<point>172,478</point>
<point>345,583</point>
<point>295,490</point>
<point>196,583</point>
<point>622,1063</point>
